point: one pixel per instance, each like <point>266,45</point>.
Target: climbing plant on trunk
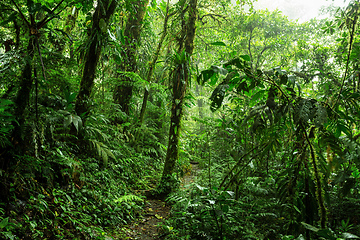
<point>26,83</point>
<point>153,63</point>
<point>100,20</point>
<point>180,78</point>
<point>124,88</point>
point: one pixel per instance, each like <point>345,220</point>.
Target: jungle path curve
<point>155,212</point>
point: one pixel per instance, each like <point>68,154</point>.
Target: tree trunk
<point>23,95</point>
<point>181,78</point>
<point>152,64</point>
<point>82,105</point>
<point>124,89</point>
<point>200,104</point>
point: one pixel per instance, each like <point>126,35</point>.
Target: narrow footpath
<point>155,212</point>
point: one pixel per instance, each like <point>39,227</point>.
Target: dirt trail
<point>189,178</point>
<point>155,212</point>
<point>147,228</point>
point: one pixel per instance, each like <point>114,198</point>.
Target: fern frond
<point>320,116</point>
<point>129,198</point>
<point>95,132</point>
<point>266,215</point>
<point>303,111</point>
<point>102,150</point>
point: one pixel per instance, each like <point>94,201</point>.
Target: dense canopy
<point>193,119</point>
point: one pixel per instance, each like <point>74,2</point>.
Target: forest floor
<point>148,227</point>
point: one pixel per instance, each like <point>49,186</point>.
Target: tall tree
<point>180,79</point>
<point>26,82</point>
<point>124,89</point>
<point>104,10</point>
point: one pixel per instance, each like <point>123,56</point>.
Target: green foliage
<point>328,233</point>
<point>6,119</point>
<point>205,213</point>
<point>7,226</point>
<point>91,197</point>
<point>102,150</point>
<point>129,198</point>
<point>281,131</point>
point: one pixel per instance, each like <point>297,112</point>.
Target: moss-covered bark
<point>104,10</point>
<point>180,80</point>
<point>172,153</point>
<point>124,89</point>
<point>23,94</point>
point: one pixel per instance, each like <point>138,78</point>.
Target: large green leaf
<point>327,234</point>
<point>218,96</point>
<point>77,122</point>
<point>218,44</point>
<point>349,236</point>
<point>220,70</point>
<point>205,76</point>
<point>246,57</point>
<point>341,127</point>
<point>103,25</point>
<point>4,223</point>
<point>72,119</point>
<point>310,227</point>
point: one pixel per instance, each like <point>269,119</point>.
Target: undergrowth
<point>89,203</point>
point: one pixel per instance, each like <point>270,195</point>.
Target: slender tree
<point>153,63</point>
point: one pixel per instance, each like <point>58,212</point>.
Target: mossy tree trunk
<point>180,79</point>
<point>23,95</point>
<point>124,88</point>
<point>102,14</point>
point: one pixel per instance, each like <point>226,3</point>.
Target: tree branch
<point>22,15</point>
<point>47,19</point>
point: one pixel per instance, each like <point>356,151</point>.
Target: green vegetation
<point>107,104</point>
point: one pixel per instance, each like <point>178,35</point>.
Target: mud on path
<point>155,212</point>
